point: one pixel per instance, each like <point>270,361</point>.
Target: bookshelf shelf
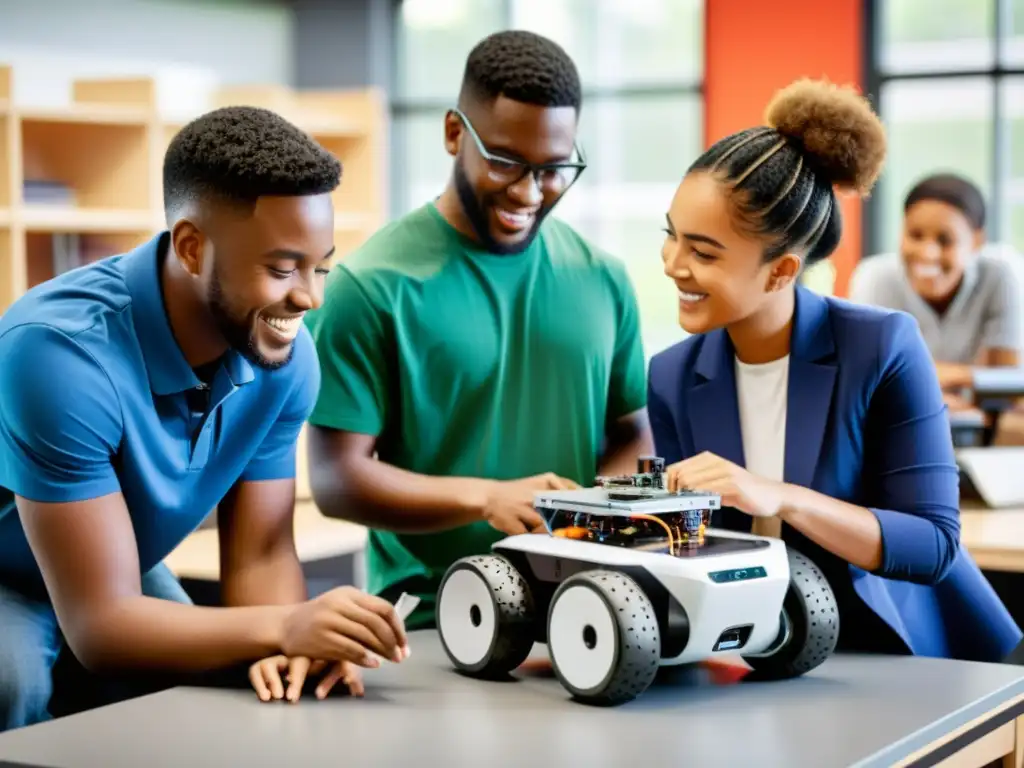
<point>6,253</point>
<point>6,176</point>
<point>40,217</point>
<point>48,252</point>
<point>92,165</point>
<point>82,181</point>
<point>89,114</point>
<point>352,222</point>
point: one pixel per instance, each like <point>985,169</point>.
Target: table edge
<point>984,715</point>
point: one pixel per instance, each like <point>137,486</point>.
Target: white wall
<point>190,46</point>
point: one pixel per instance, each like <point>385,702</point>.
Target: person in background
<point>816,419</point>
<point>139,393</point>
<point>477,350</point>
<point>966,301</point>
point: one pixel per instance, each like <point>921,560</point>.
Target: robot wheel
<point>808,628</point>
<point>485,616</point>
<point>603,637</point>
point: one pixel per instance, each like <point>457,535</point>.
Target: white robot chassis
<point>629,579</point>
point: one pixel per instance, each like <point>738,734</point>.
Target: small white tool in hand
<point>406,604</point>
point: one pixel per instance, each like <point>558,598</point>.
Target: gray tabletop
<point>852,711</point>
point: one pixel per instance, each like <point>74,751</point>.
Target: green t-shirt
<point>466,363</point>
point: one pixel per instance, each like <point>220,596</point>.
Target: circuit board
<point>635,511</point>
<point>626,501</point>
<point>669,532</point>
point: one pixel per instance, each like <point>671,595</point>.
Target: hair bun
<point>840,133</point>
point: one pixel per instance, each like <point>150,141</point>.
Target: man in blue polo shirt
<point>141,392</point>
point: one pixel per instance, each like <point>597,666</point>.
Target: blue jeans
<point>39,676</point>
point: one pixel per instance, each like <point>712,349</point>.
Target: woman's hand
<point>738,488</point>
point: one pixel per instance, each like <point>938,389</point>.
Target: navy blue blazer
<point>865,424</point>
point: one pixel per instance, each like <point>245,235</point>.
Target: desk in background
<point>994,537</point>
<point>331,553</point>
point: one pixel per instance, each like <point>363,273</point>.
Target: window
<point>949,79</point>
<point>641,63</point>
<point>432,40</point>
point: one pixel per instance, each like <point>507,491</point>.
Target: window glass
<point>434,39</point>
<point>616,43</point>
<point>1012,107</point>
<point>928,135</point>
<point>936,35</point>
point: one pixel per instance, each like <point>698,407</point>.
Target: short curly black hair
<point>951,189</point>
<point>522,66</point>
<point>238,154</point>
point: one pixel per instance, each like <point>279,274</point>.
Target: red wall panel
<point>753,48</point>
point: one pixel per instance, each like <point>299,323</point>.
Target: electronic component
<point>631,511</point>
<point>633,577</point>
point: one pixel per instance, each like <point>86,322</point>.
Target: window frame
<point>875,79</point>
<point>400,107</point>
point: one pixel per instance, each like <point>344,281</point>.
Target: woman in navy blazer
<point>815,419</point>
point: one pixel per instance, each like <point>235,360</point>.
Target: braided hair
<point>782,176</point>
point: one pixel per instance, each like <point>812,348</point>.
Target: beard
<point>476,209</point>
<point>239,333</point>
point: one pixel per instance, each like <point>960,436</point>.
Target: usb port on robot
<point>729,640</point>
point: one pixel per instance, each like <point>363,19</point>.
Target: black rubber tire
<point>813,615</point>
<point>514,626</point>
<point>637,640</point>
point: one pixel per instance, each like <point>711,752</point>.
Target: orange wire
<point>663,524</point>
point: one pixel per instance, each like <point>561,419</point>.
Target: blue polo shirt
<point>93,401</point>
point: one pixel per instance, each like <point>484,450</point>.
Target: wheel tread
<point>515,614</point>
<point>811,593</point>
<point>640,638</point>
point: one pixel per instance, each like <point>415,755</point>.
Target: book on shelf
<point>67,252</point>
<point>41,192</point>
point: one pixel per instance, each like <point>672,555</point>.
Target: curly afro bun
<point>837,129</point>
<point>783,176</point>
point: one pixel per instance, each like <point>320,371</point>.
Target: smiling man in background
<point>477,350</point>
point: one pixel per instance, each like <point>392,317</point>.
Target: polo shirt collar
<point>168,370</point>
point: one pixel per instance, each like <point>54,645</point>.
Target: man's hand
<point>738,488</point>
<point>345,624</point>
<point>510,503</point>
<point>265,677</point>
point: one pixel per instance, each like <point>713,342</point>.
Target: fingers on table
<point>349,674</point>
<point>298,671</point>
<point>265,677</point>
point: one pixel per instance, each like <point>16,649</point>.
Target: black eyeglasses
<point>555,178</point>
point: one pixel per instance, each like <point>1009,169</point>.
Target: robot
<point>628,578</point>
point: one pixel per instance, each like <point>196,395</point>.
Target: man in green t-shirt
<point>474,351</point>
